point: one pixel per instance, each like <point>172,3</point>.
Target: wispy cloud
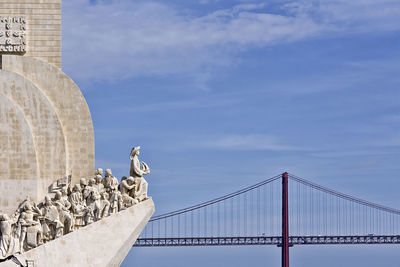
<point>123,38</point>
<point>351,153</point>
<point>351,74</point>
<point>391,141</point>
<point>359,15</point>
<point>245,142</point>
<point>144,38</point>
<point>188,104</point>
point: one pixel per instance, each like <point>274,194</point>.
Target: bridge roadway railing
<point>253,216</point>
<point>266,240</point>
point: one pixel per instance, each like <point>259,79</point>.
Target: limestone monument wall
<point>54,209</point>
<point>43,27</point>
<point>46,130</point>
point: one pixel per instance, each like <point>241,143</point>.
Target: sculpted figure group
<point>71,208</point>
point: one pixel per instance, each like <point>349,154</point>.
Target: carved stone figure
<point>76,200</point>
<point>101,205</point>
<point>82,183</point>
<point>31,229</point>
<point>99,184</point>
<point>126,186</point>
<point>94,200</point>
<point>116,202</point>
<point>137,171</point>
<point>89,216</point>
<point>87,202</point>
<point>140,192</point>
<point>99,171</point>
<point>87,192</point>
<point>90,194</point>
<point>9,240</point>
<point>64,193</point>
<point>110,182</point>
<point>63,206</point>
<point>51,224</point>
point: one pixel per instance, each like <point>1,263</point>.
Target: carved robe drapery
<point>136,170</point>
<point>141,188</point>
<point>9,239</point>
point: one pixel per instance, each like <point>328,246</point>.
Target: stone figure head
<point>77,188</point>
<point>135,151</point>
<point>99,179</point>
<point>92,181</point>
<point>130,180</point>
<point>64,191</point>
<point>58,195</point>
<point>108,173</point>
<point>99,171</point>
<point>83,182</point>
<point>28,206</point>
<point>47,200</point>
<point>4,217</point>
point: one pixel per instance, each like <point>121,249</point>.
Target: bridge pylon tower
<point>285,220</point>
<point>260,215</point>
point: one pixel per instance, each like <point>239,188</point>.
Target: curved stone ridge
<point>69,105</point>
<point>16,139</point>
<point>30,166</point>
<point>49,109</point>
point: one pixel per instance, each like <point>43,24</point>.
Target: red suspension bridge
<point>284,210</point>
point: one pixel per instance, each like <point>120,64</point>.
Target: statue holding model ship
<point>54,210</point>
<point>71,208</point>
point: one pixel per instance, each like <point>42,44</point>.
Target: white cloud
<point>180,105</point>
<point>351,74</point>
<point>126,38</point>
<point>363,15</point>
<point>392,141</point>
<point>350,16</point>
<point>123,38</point>
<point>250,142</point>
<point>350,153</point>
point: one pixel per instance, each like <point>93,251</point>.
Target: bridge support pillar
<point>285,221</point>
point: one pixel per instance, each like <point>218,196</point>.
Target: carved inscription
<point>12,34</point>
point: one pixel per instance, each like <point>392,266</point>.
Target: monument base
<point>103,243</point>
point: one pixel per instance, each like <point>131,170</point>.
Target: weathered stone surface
<point>43,26</point>
<point>33,148</point>
<point>103,243</point>
<point>71,109</point>
<point>13,34</point>
<point>72,208</point>
<point>46,133</point>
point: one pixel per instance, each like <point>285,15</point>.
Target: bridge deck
<point>265,240</point>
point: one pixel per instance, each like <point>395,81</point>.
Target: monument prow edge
<point>102,243</point>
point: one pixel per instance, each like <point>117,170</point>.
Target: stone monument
<point>50,215</point>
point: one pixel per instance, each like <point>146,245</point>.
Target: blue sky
<point>224,94</point>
